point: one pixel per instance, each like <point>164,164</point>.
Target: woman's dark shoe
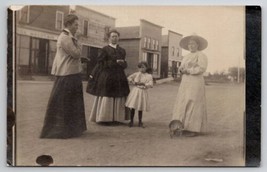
<point>130,124</point>
<point>141,125</point>
<point>190,134</point>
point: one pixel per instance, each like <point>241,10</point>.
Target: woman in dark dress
<point>65,116</point>
<point>108,83</point>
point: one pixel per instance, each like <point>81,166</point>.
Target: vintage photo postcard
<point>154,86</point>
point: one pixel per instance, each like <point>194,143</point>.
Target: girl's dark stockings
<point>140,115</point>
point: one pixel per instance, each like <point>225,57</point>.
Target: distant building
<point>37,29</point>
<point>142,43</point>
<point>171,54</point>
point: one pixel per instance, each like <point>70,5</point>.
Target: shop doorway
<point>39,56</point>
<point>150,59</point>
<point>153,62</point>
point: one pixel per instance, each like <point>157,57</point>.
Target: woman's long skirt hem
<point>65,115</point>
<point>108,109</point>
<point>190,104</point>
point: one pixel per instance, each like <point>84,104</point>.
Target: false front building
<point>171,54</point>
<point>37,29</point>
<point>142,43</point>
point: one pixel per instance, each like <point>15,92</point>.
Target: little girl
<point>138,97</point>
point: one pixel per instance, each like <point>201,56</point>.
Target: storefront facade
<point>142,43</point>
<point>171,54</point>
<point>36,37</point>
<point>38,28</point>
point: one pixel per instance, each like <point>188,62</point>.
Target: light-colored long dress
<point>190,104</point>
<point>107,109</point>
<point>138,97</point>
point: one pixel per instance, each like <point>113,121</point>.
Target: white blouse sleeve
<point>131,77</point>
<point>149,83</point>
<point>201,65</point>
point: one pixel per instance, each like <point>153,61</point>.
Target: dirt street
<point>124,146</point>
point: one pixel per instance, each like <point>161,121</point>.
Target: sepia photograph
<point>134,86</point>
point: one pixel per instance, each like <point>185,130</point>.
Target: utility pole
<point>238,71</point>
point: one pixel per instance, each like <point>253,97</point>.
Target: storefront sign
<point>37,34</point>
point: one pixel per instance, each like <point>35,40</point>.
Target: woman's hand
<point>120,61</point>
<point>184,71</point>
<point>141,86</point>
<point>132,82</point>
<point>181,70</point>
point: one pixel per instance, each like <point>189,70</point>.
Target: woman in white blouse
<point>65,115</point>
<point>190,104</point>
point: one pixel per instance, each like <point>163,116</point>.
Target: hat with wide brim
<point>202,42</point>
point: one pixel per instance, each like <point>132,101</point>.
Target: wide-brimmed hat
<point>202,42</point>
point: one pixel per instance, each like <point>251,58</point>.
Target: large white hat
<point>202,42</point>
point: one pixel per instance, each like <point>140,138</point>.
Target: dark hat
<point>44,160</point>
<point>113,31</point>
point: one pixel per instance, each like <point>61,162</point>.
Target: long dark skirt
<point>65,116</point>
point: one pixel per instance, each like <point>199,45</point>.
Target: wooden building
<point>171,54</point>
<point>37,29</point>
<point>142,43</point>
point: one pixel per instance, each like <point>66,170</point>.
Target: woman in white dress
<point>138,97</point>
<point>190,104</point>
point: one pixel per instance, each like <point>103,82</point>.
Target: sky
<point>222,26</point>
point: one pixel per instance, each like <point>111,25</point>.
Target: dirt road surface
<point>124,146</point>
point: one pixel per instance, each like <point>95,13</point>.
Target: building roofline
<point>105,15</point>
<point>126,27</point>
<point>151,23</point>
<point>130,38</point>
<point>175,32</point>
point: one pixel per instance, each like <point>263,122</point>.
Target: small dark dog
<point>176,128</point>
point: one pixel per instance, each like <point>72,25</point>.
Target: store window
<point>144,57</point>
<point>178,52</point>
<point>106,30</point>
<point>155,64</point>
<point>85,28</point>
<point>157,45</point>
<point>23,51</point>
<point>59,20</point>
<point>39,56</point>
<point>148,43</point>
<point>145,42</point>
